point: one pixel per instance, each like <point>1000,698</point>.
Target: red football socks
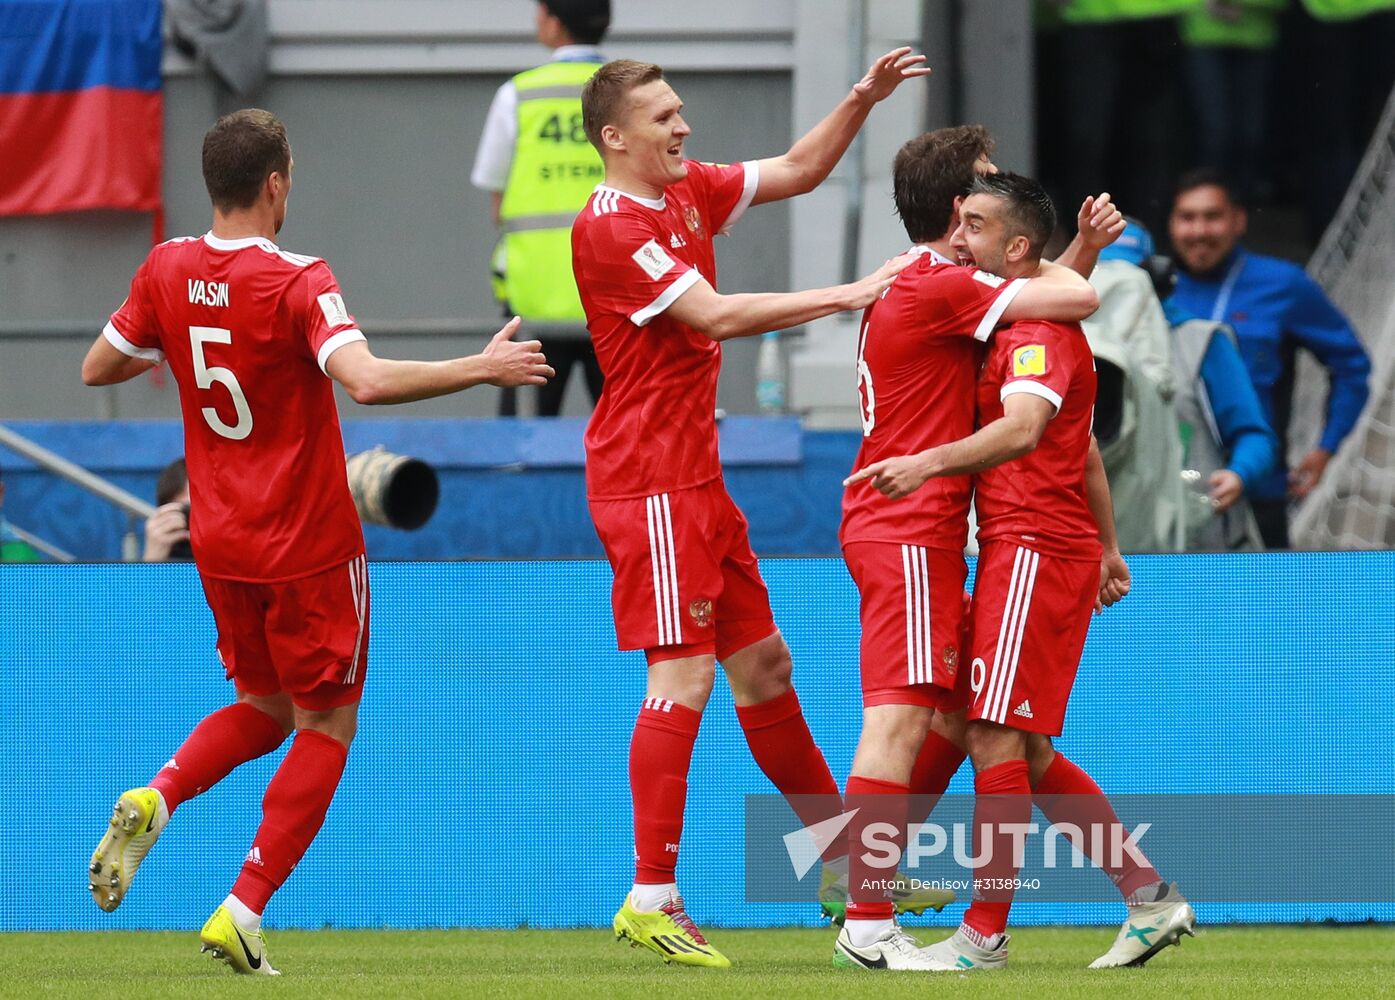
<point>937,762</point>
<point>1069,797</point>
<point>876,801</point>
<point>660,752</point>
<point>784,748</point>
<point>1002,795</point>
<point>223,740</point>
<point>293,810</point>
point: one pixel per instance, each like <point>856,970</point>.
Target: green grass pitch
<point>783,964</point>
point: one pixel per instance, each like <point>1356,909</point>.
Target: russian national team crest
<point>701,612</point>
<point>694,222</point>
<point>951,658</point>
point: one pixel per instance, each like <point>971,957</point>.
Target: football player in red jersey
<point>919,353</point>
<point>687,587</point>
<point>253,336</point>
<point>1048,559</point>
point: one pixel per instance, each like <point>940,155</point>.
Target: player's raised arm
<point>748,314</point>
<point>813,157</point>
<point>1056,293</point>
<point>372,380</point>
<point>1098,224</point>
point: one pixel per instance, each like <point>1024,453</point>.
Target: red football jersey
<point>654,429</point>
<point>246,328</point>
<point>917,360</point>
<point>1039,499</point>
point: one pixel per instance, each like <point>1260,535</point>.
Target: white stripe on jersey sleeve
<point>748,191</point>
<point>1032,388</point>
<point>666,298</point>
<point>999,306</point>
<point>334,343</point>
<point>129,349</point>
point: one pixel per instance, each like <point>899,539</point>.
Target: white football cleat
<point>1149,929</point>
<point>958,954</point>
<point>894,950</point>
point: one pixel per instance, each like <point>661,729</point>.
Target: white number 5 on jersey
<point>205,376</point>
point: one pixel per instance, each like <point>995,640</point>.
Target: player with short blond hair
<point>687,586</point>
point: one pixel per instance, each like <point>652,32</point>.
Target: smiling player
<point>687,587</point>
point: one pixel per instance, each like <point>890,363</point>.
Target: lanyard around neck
<point>1227,287</point>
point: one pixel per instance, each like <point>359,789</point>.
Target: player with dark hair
<point>1048,558</point>
<point>919,353</point>
<point>250,332</point>
<point>687,586</point>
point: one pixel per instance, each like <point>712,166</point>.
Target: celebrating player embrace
<point>687,588</point>
<point>1048,558</point>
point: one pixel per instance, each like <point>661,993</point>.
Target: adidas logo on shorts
<point>1024,710</point>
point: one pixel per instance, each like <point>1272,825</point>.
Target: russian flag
<point>80,105</point>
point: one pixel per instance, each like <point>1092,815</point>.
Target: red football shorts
<point>1029,619</point>
<point>307,637</point>
<point>685,576</point>
<point>912,618</point>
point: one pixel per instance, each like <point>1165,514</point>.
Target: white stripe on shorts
<point>358,583</point>
<point>663,561</point>
<point>915,566</point>
<point>1009,649</point>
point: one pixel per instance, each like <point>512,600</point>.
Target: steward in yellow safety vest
<point>535,160</point>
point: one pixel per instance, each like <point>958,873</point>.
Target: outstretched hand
<point>886,74</point>
<point>1100,222</point>
<point>516,363</point>
<point>865,291</point>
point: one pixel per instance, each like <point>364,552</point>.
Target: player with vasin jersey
<point>687,587</point>
<point>919,353</point>
<point>253,336</point>
<point>1048,558</point>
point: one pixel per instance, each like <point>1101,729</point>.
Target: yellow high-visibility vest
<point>554,171</point>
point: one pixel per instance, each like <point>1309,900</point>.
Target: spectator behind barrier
<point>12,547</point>
<point>1135,422</point>
<point>1274,308</point>
<point>539,168</point>
<point>1226,444</point>
<point>167,530</point>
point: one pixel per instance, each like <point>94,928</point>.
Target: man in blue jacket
<point>1274,308</point>
<point>1245,447</point>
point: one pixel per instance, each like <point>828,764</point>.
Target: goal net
<point>1353,506</point>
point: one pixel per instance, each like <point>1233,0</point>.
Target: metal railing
<point>137,510</point>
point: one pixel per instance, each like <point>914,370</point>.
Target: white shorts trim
<point>663,561</point>
<point>1008,652</point>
